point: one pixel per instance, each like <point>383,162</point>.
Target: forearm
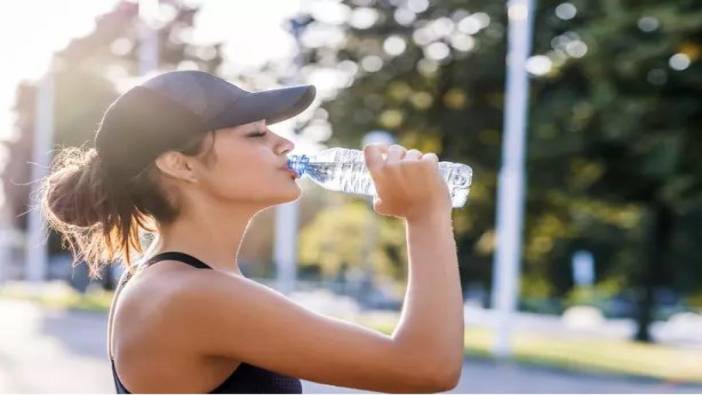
<point>432,314</point>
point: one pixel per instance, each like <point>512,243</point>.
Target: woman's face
<point>249,166</point>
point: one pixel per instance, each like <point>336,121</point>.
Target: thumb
<point>378,206</point>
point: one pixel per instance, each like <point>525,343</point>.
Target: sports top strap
<point>177,256</point>
<point>170,256</point>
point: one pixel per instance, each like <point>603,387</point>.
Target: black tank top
<point>245,378</point>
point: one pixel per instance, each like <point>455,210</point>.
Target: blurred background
<point>582,121</point>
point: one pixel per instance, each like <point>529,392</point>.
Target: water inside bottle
<point>345,173</point>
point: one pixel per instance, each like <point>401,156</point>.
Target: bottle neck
<point>298,164</point>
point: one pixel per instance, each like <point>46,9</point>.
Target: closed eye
<point>257,134</point>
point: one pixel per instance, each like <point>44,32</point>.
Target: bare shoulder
<point>163,307</point>
<point>148,335</point>
<point>200,296</point>
<point>207,287</point>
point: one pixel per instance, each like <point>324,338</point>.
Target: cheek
<point>247,172</point>
<point>234,178</point>
<point>248,178</point>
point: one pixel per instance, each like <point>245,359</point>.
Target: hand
<point>408,183</point>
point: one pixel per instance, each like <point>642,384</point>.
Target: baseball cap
<point>174,108</point>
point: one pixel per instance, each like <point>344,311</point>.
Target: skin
<point>180,329</point>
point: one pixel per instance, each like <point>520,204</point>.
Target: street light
<point>36,251</point>
<point>510,194</point>
<point>286,215</point>
<point>148,61</point>
<point>148,37</point>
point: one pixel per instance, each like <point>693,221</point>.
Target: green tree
<point>450,105</point>
<point>348,234</point>
<point>613,129</point>
<point>620,111</point>
<point>89,74</point>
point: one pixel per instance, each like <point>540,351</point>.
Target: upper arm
<point>243,320</point>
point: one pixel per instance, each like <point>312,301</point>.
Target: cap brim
<point>273,105</point>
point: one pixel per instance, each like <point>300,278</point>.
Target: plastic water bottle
<point>341,169</point>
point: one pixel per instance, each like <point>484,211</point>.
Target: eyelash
<point>258,134</point>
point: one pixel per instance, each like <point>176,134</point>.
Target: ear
<point>176,165</point>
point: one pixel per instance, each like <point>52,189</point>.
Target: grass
<point>59,296</point>
<point>571,353</point>
<point>588,354</point>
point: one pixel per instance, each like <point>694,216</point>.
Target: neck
<point>214,236</point>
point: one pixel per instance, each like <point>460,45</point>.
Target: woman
<point>189,157</point>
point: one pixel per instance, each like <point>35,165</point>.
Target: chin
<point>294,195</point>
<point>290,195</point>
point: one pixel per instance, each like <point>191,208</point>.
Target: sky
<point>31,30</point>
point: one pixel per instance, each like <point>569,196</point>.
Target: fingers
<point>382,147</point>
<point>373,154</point>
<point>395,153</point>
<point>430,156</point>
<point>413,154</point>
<point>405,180</point>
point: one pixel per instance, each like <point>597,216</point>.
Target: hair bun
<point>75,193</point>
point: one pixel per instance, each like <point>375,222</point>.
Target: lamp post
<point>148,61</point>
<point>286,215</point>
<point>148,37</point>
<point>36,251</point>
<point>510,194</point>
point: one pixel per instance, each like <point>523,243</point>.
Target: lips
<point>289,171</point>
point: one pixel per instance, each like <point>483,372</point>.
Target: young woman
<point>189,157</point>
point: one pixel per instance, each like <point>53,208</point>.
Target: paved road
<point>53,351</point>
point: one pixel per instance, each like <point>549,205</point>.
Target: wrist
<point>430,218</point>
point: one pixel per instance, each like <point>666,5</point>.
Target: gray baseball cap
<point>169,110</point>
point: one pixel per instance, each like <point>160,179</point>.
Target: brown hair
<point>101,219</point>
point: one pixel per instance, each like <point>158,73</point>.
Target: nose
<point>285,146</point>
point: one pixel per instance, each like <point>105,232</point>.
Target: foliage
<point>88,75</point>
<point>613,126</point>
<point>348,234</point>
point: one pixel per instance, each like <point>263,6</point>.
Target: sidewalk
<point>45,350</point>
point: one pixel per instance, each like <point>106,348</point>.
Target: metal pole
<point>510,195</point>
<point>36,252</point>
<point>148,37</point>
<point>286,215</point>
<point>5,245</point>
<point>285,248</point>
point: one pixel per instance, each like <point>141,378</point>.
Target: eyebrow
<point>250,129</point>
<point>255,127</point>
